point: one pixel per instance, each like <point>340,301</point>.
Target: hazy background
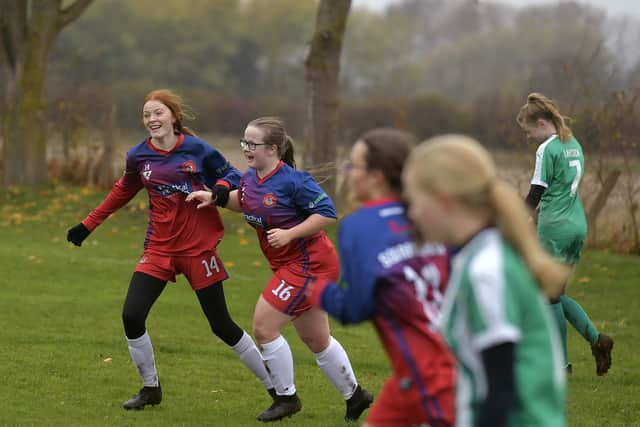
<point>426,66</point>
<point>611,6</point>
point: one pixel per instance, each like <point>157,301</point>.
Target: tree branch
<point>71,13</point>
<point>12,20</point>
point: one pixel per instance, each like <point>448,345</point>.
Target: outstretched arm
<point>209,198</point>
<point>123,191</point>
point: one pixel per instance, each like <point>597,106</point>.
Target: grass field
<point>64,361</point>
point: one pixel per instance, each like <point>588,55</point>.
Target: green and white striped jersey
<point>492,299</point>
<point>559,168</point>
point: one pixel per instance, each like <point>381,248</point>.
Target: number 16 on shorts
<point>283,291</point>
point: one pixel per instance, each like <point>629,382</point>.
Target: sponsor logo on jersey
<point>147,171</point>
<point>254,220</point>
<point>269,200</point>
<point>169,189</point>
<point>318,199</point>
<point>189,167</point>
<point>143,260</point>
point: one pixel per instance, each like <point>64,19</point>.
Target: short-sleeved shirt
<point>175,227</point>
<point>283,199</point>
<point>492,299</point>
<point>559,168</point>
<point>370,240</point>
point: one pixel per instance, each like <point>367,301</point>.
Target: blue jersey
<point>283,199</point>
<point>175,227</point>
<point>370,240</point>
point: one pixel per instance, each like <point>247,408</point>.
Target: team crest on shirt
<point>188,167</point>
<point>269,200</point>
<point>147,171</point>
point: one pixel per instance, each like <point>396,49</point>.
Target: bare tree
<point>322,66</point>
<point>28,30</point>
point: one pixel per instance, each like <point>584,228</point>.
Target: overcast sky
<point>613,7</point>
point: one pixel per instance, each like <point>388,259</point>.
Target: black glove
<point>77,234</point>
<point>221,194</point>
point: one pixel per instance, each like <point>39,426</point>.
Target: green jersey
<point>560,168</point>
<point>491,299</point>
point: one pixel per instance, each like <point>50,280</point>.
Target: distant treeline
<point>425,65</point>
<point>610,126</point>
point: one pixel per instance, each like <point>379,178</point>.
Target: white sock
<point>335,364</point>
<point>279,360</point>
<point>141,352</point>
<point>251,357</point>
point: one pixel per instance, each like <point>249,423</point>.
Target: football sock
<point>251,357</point>
<point>335,364</point>
<point>558,315</point>
<point>279,360</point>
<point>141,352</point>
<point>579,319</point>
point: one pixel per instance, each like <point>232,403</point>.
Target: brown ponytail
<point>539,106</point>
<point>275,134</point>
<point>512,218</point>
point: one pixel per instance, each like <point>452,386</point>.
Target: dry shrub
<point>87,164</point>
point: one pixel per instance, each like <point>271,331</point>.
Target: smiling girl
<point>180,239</point>
<point>289,212</point>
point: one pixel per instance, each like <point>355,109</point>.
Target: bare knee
<point>264,330</point>
<point>315,342</point>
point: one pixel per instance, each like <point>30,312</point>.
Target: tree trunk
<point>599,202</point>
<point>322,66</point>
<point>27,32</point>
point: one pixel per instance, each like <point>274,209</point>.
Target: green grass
<point>64,361</point>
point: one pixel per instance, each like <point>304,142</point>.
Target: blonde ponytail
<point>461,166</point>
<point>512,220</point>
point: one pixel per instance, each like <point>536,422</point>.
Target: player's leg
<point>555,246</point>
<point>143,291</point>
<point>601,344</point>
<point>214,306</point>
<point>579,319</point>
<point>206,274</point>
<point>312,327</point>
<point>268,321</point>
<point>559,319</point>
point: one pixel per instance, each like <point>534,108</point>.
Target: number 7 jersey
<point>559,168</point>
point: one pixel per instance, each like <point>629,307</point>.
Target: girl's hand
<point>204,197</point>
<point>277,237</point>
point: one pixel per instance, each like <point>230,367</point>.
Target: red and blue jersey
<point>370,240</point>
<point>408,298</point>
<point>175,227</point>
<point>283,199</point>
<point>384,278</point>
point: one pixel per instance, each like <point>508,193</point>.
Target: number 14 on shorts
<point>211,265</point>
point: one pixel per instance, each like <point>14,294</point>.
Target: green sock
<point>558,315</point>
<point>579,319</point>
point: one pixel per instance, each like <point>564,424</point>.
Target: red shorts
<point>201,270</point>
<point>400,403</point>
<point>286,290</point>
